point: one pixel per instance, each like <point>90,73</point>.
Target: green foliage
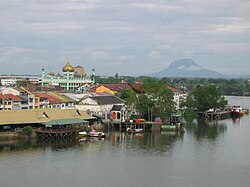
<point>27,130</point>
<point>157,99</point>
<point>226,86</point>
<point>189,115</point>
<point>129,96</point>
<point>205,97</point>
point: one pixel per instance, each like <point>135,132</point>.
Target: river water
<point>207,154</point>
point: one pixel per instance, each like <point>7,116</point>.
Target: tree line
<point>239,87</point>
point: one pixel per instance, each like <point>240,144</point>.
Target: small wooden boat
<point>98,134</point>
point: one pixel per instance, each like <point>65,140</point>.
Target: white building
<point>99,105</point>
<point>11,80</point>
<point>67,81</point>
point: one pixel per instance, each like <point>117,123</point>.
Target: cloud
<point>190,68</point>
<point>145,35</point>
<point>11,50</point>
<point>231,28</point>
<point>154,54</point>
<point>100,55</point>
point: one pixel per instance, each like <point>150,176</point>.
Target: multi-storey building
<point>67,81</point>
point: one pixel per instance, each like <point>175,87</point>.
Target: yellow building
<point>102,89</point>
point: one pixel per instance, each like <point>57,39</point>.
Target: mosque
<point>72,78</point>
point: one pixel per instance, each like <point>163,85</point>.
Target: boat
<point>236,111</point>
<point>82,134</point>
<point>168,127</point>
<point>138,130</point>
<point>174,124</point>
<point>98,134</point>
<point>134,130</point>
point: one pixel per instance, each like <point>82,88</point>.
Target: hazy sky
<point>130,37</point>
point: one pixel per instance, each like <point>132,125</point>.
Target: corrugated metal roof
<point>67,121</point>
<point>105,100</point>
<point>40,115</point>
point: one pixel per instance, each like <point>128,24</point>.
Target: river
<point>208,154</point>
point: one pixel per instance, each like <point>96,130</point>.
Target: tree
<point>27,130</point>
<point>155,99</point>
<point>129,96</point>
<point>165,103</point>
<point>203,98</point>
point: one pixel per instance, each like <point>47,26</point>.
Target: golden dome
<point>68,67</point>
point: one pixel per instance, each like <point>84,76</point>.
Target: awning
<point>67,121</point>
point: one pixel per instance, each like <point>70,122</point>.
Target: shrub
<point>27,130</point>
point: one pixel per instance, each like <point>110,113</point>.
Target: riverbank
<point>16,135</point>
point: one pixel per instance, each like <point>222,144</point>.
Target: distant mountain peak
<point>186,68</point>
<point>185,64</point>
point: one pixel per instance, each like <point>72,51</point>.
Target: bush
<point>189,115</point>
<point>27,130</point>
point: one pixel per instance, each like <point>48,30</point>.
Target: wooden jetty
<point>146,126</point>
<point>63,129</point>
<point>57,134</point>
<point>219,115</point>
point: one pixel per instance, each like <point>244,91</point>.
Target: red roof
<point>137,87</point>
<point>13,97</point>
<point>51,99</point>
<point>2,97</point>
<point>119,87</point>
<point>172,88</point>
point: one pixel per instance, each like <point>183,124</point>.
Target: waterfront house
<point>176,94</point>
<point>100,105</point>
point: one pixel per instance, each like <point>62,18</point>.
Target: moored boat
<point>236,111</point>
<point>82,134</point>
<point>137,130</point>
<point>168,127</point>
<point>98,134</point>
<point>176,123</point>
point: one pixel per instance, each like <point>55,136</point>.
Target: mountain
<point>186,68</point>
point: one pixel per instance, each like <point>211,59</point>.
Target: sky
<point>128,37</point>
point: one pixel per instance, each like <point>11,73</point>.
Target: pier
<point>57,134</point>
<point>146,126</point>
<point>215,115</point>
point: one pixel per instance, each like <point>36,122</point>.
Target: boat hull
<point>82,134</point>
<point>169,127</point>
<point>96,134</point>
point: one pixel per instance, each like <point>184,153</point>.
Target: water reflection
<point>33,144</point>
<point>150,142</point>
<point>210,130</point>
